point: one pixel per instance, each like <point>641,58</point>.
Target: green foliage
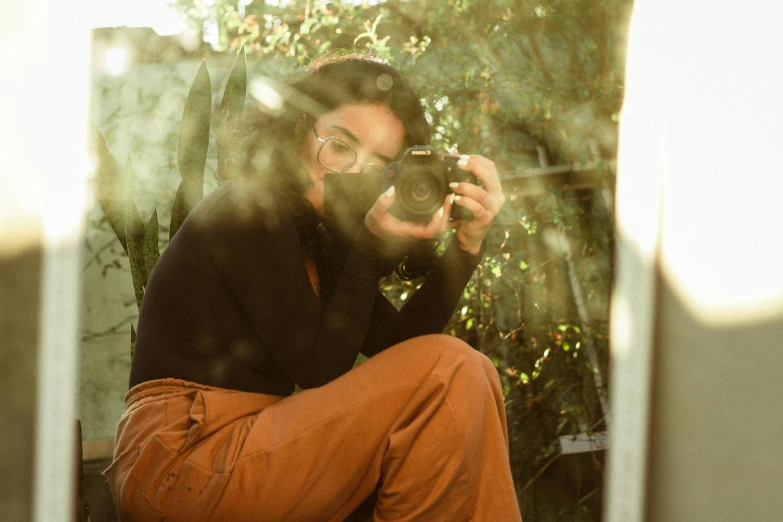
<point>109,187</point>
<point>192,148</point>
<point>151,250</point>
<point>231,108</point>
<point>115,192</point>
<point>132,341</point>
<point>134,235</point>
<point>538,72</point>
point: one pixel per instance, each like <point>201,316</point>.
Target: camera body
<point>421,180</point>
<point>421,183</point>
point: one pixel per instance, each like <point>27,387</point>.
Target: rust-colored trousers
<point>423,420</point>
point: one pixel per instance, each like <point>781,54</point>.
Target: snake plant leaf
<point>151,251</point>
<point>134,235</point>
<point>136,271</point>
<point>133,341</point>
<point>192,148</point>
<point>109,187</point>
<point>184,201</point>
<point>233,102</point>
<point>231,108</point>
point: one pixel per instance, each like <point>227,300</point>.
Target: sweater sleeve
<point>256,250</point>
<point>430,308</point>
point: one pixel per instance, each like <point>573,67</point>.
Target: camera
<point>421,183</point>
<point>421,180</point>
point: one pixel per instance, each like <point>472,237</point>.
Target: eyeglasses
<point>338,156</point>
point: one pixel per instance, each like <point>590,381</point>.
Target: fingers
<point>490,202</point>
<point>385,200</point>
<point>484,169</point>
<point>472,191</point>
<point>376,216</point>
<point>480,212</point>
<point>399,229</point>
<point>484,202</point>
<point>386,225</point>
<point>437,225</point>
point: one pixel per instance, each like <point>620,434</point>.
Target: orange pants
<point>423,420</point>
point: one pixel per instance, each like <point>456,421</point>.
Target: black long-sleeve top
<point>230,303</point>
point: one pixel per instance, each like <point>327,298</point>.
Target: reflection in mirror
<point>536,86</point>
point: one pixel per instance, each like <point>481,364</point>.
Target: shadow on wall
<point>715,420</point>
<point>20,285</point>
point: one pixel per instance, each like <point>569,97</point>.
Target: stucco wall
<point>138,114</point>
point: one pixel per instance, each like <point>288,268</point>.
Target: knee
<point>444,346</point>
<point>456,350</point>
<point>441,354</point>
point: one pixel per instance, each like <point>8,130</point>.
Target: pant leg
<point>425,417</point>
<point>164,428</point>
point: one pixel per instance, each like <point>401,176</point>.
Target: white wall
<point>697,316</point>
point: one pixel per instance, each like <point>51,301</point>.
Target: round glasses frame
<point>367,166</point>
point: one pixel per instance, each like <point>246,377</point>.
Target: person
<point>256,295</point>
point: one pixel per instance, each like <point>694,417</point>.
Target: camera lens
<point>421,190</point>
<point>420,182</point>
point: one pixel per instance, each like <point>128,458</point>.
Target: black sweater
<point>230,304</point>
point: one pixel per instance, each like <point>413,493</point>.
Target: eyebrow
<point>351,136</point>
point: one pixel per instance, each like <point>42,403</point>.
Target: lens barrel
<point>421,179</point>
<point>421,190</point>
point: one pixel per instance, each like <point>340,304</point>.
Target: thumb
<point>386,199</point>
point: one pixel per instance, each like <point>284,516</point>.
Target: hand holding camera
<point>483,202</point>
<point>430,194</point>
<point>422,195</point>
<point>422,179</point>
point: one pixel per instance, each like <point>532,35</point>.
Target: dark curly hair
<point>265,144</point>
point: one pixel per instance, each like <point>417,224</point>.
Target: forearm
<point>257,252</point>
<point>345,318</point>
<point>430,308</point>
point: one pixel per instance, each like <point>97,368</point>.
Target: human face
<point>372,130</point>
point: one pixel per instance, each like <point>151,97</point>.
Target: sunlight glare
<point>267,95</point>
<point>721,169</point>
<point>156,14</point>
<point>116,60</point>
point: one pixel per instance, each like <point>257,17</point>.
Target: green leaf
<point>562,327</point>
<point>134,235</point>
<point>566,346</point>
<point>523,265</point>
<point>231,108</point>
<point>307,25</point>
<point>192,148</point>
<point>108,187</point>
<point>469,324</point>
<point>151,250</point>
<point>133,341</point>
<point>524,378</point>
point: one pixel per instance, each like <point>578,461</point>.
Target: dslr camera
<point>421,180</point>
<point>421,183</point>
